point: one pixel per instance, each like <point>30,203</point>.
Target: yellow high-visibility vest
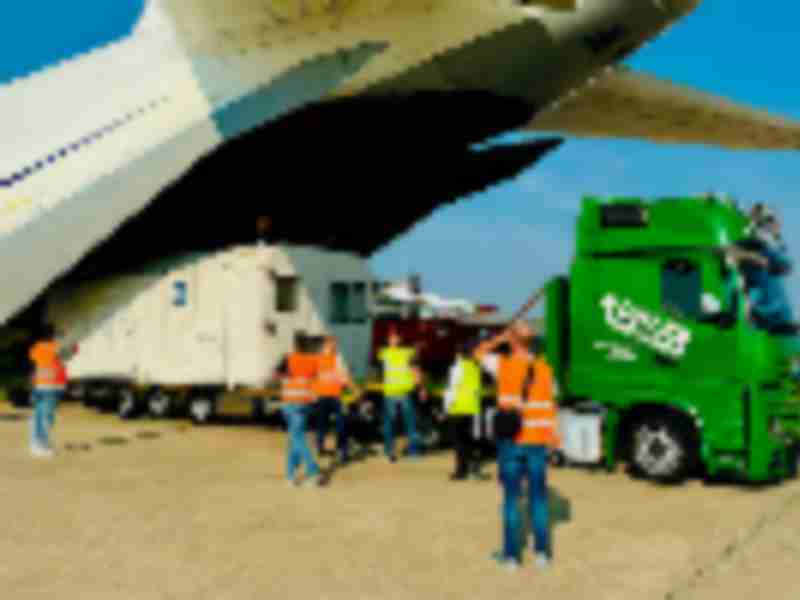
<point>398,374</point>
<point>467,400</point>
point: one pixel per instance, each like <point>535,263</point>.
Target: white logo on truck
<point>616,352</point>
<point>660,334</point>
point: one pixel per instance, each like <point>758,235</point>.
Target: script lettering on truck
<point>660,334</point>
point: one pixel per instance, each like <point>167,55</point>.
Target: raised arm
<point>492,344</point>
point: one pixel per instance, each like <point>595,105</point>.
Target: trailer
<point>191,331</point>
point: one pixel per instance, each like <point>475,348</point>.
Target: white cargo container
<point>206,323</point>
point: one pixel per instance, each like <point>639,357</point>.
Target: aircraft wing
<point>627,104</point>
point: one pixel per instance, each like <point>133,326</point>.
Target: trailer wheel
<point>19,397</point>
<point>557,459</point>
<point>201,409</point>
<point>663,448</point>
<point>128,406</point>
<point>160,404</point>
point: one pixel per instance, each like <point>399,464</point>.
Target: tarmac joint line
<point>734,548</point>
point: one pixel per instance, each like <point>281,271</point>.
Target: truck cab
<point>654,324</point>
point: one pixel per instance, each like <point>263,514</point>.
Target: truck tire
<point>128,406</point>
<point>201,409</point>
<point>160,405</point>
<point>662,448</point>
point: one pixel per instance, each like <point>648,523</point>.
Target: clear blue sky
<point>497,247</point>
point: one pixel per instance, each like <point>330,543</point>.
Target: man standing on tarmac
<point>332,378</point>
<point>524,384</point>
<point>49,382</point>
<point>400,377</point>
<point>462,404</point>
<point>297,376</point>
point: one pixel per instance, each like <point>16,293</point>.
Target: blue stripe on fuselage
<point>38,33</point>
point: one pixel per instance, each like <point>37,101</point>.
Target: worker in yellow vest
<point>462,404</point>
<point>332,378</point>
<point>526,390</point>
<point>401,376</point>
<point>297,375</point>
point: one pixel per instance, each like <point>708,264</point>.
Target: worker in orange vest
<point>49,380</point>
<point>332,378</point>
<point>525,391</point>
<point>297,375</point>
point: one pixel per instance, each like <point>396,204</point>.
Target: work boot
<point>541,561</point>
<point>509,564</point>
<point>42,452</point>
<point>458,476</point>
<point>312,481</point>
<point>478,476</point>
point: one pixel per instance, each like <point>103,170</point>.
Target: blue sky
<point>497,247</point>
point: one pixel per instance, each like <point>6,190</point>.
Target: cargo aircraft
<point>132,129</point>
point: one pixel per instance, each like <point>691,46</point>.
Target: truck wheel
<point>662,448</point>
<point>794,462</point>
<point>160,404</point>
<point>128,406</point>
<point>201,409</point>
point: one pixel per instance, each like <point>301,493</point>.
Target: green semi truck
<point>653,327</point>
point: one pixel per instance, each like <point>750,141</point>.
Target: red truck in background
<point>436,339</point>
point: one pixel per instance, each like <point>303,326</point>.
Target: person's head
<point>772,225</point>
<point>764,218</point>
<point>466,348</point>
<point>329,344</point>
<point>47,331</point>
<point>521,337</point>
<point>394,337</point>
<point>300,341</point>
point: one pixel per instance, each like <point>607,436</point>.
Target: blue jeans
<point>44,415</point>
<point>325,406</point>
<point>296,416</point>
<point>390,405</point>
<point>516,462</point>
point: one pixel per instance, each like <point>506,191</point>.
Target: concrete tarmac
<point>165,510</point>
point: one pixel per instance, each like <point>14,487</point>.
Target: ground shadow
<point>560,511</point>
<point>12,418</point>
<point>113,441</point>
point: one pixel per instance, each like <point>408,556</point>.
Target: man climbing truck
<point>653,325</point>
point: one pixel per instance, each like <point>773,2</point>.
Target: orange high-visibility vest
<point>296,387</point>
<point>330,380</point>
<point>49,372</point>
<point>539,414</point>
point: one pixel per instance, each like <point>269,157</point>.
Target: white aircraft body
<point>106,104</point>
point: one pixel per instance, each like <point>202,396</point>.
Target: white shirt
<point>454,380</point>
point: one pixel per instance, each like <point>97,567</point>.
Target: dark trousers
<point>466,450</point>
<point>325,407</point>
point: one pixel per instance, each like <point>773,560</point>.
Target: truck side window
<point>360,312</point>
<point>286,294</point>
<point>681,289</point>
<point>340,303</point>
